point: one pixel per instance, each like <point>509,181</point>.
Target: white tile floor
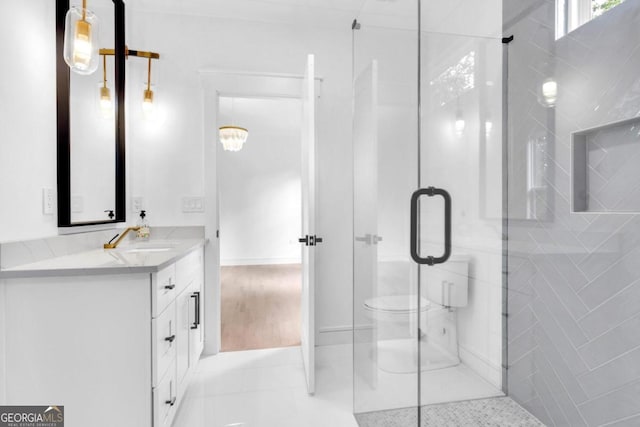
<point>264,388</point>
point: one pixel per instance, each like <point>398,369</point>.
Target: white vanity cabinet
<point>179,337</point>
<point>114,349</point>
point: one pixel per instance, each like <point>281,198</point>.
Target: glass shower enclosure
<point>428,206</point>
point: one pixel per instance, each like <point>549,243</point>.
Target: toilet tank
<point>447,284</point>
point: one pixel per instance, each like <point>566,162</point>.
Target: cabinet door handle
<point>170,286</point>
<point>196,322</point>
<point>172,338</point>
<point>172,400</point>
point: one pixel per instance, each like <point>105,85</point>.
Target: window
<point>570,14</point>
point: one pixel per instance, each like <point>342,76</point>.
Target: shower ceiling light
<point>233,138</point>
<point>81,40</point>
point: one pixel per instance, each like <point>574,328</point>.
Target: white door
<point>307,335</point>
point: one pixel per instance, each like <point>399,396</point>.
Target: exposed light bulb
<point>105,101</point>
<point>147,103</point>
<point>82,45</point>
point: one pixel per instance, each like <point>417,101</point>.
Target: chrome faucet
<point>114,245</point>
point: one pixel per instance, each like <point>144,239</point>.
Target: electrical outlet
<point>192,204</point>
<point>48,201</point>
<point>137,204</point>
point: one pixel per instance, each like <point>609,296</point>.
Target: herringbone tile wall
<point>573,278</point>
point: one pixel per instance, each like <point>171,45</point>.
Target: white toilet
<point>444,288</point>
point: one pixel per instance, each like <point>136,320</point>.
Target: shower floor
<point>399,356</point>
<point>493,412</point>
<point>456,383</point>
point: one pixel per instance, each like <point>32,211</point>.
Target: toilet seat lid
<point>396,303</point>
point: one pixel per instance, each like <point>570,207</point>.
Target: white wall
<point>165,156</point>
<point>27,117</point>
<point>260,185</point>
<point>168,154</point>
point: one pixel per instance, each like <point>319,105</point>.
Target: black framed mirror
<point>90,148</point>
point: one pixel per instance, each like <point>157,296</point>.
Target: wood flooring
<point>260,306</point>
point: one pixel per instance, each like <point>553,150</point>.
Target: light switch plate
<point>192,204</point>
<point>48,201</point>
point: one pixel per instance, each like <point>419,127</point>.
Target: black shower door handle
<point>415,235</point>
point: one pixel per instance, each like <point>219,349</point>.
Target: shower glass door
<point>428,127</point>
<point>461,335</point>
<point>386,173</point>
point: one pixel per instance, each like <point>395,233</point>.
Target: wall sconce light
<point>105,94</point>
<point>548,93</point>
<point>147,99</point>
<point>81,40</point>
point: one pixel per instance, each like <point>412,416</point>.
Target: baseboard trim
<point>482,366</point>
<point>335,335</point>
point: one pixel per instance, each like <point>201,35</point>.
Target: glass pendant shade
<point>105,100</point>
<point>81,41</point>
<point>233,138</point>
<point>147,102</point>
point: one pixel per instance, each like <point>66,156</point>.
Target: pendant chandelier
<point>232,137</point>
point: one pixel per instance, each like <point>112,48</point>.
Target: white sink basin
<point>136,250</point>
<point>148,247</point>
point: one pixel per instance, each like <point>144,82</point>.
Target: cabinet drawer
<point>165,400</point>
<point>189,268</point>
<point>164,338</point>
<point>163,285</point>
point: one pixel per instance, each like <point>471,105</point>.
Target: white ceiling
<point>306,12</point>
<point>471,17</point>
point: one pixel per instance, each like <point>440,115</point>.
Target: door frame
<point>217,83</point>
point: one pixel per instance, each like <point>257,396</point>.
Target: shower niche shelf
<point>605,175</point>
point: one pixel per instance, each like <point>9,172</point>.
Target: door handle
<point>196,322</point>
<point>172,338</point>
<point>310,240</point>
<point>369,239</point>
<point>415,235</point>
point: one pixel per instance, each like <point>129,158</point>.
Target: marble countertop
<point>127,258</point>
